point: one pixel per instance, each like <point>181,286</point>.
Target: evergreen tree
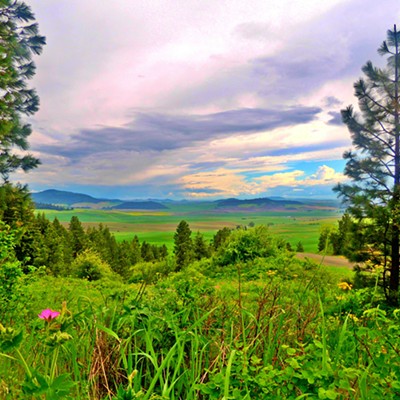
<point>200,247</point>
<point>221,237</point>
<point>373,197</point>
<point>183,246</point>
<point>342,238</point>
<point>64,256</point>
<point>135,253</point>
<point>16,206</point>
<point>124,258</point>
<point>77,236</point>
<point>163,252</point>
<point>146,252</point>
<point>17,211</point>
<point>19,40</point>
<point>300,247</point>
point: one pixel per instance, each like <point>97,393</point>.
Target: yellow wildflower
<point>344,286</point>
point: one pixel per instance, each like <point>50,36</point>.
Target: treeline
<point>94,253</point>
<point>46,206</point>
<point>69,250</point>
<point>359,240</point>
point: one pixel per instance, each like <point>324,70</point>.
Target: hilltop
<point>64,199</point>
<point>61,198</point>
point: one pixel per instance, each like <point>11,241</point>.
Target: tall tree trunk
<point>394,271</point>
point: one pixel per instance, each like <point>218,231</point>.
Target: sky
<point>199,99</point>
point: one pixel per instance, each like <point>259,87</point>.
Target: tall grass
<point>289,333</point>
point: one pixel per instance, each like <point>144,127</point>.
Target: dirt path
<point>335,261</point>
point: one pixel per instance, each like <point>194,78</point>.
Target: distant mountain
<point>260,202</point>
<point>55,198</point>
<point>139,205</point>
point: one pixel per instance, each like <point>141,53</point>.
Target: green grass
<point>159,227</point>
<point>273,328</point>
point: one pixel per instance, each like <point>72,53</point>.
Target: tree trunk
<point>395,242</point>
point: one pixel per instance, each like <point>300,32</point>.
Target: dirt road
<point>335,261</point>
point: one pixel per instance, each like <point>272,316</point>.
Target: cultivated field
<point>158,227</point>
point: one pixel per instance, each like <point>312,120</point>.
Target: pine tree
<point>373,196</point>
<point>78,237</point>
<point>146,252</point>
<point>135,254</point>
<point>19,40</point>
<point>221,237</point>
<point>64,256</point>
<point>163,252</point>
<point>183,246</point>
<point>300,247</point>
<point>200,247</point>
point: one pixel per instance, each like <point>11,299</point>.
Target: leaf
<point>331,394</point>
<point>10,340</point>
<point>35,385</point>
<point>109,332</point>
<point>291,351</point>
<point>62,383</point>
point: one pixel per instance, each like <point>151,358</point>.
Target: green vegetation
<point>237,317</point>
<point>251,321</point>
<point>373,195</point>
<point>231,314</point>
<point>158,227</point>
<point>20,40</point>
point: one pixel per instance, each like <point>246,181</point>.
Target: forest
<point>86,316</point>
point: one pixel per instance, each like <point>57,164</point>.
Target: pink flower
<point>48,314</point>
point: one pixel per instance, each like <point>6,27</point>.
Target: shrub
<point>88,265</point>
<point>247,244</point>
<point>150,272</point>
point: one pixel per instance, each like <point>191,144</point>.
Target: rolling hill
<point>66,199</point>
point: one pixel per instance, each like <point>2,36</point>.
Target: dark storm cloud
<point>159,132</point>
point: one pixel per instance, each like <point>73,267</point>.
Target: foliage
<point>244,245</point>
<point>220,237</point>
<point>150,272</point>
<point>200,248</point>
<point>10,269</point>
<point>19,40</point>
<point>374,166</point>
<point>88,265</point>
<point>183,245</point>
<point>299,247</point>
<point>284,328</point>
<point>77,236</point>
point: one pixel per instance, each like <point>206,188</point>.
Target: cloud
<point>332,46</point>
<point>336,118</point>
<point>225,182</point>
<point>142,95</point>
<point>160,132</point>
<point>332,101</point>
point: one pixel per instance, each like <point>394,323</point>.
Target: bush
<point>247,244</point>
<point>88,265</point>
<point>150,272</point>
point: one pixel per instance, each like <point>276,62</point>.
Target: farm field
<point>158,227</point>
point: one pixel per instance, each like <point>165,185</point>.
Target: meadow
<point>247,321</point>
<point>158,227</point>
<point>228,327</point>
